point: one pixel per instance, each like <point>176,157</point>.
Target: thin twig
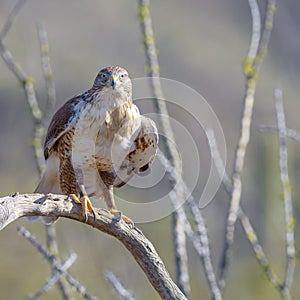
<point>11,18</point>
<point>216,157</point>
<point>251,68</point>
<point>290,133</point>
<point>287,196</point>
<point>258,250</point>
<point>47,71</point>
<point>152,67</point>
<point>27,83</point>
<point>53,261</point>
<point>244,219</point>
<point>54,278</point>
<point>256,28</point>
<point>118,287</point>
<point>52,247</point>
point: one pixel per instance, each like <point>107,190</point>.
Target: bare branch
<point>27,83</point>
<point>53,249</point>
<point>256,28</point>
<point>152,66</point>
<point>258,250</point>
<point>290,133</point>
<point>287,196</point>
<point>119,288</point>
<point>16,206</point>
<point>55,277</point>
<point>11,18</point>
<point>199,239</point>
<point>216,157</point>
<point>38,142</point>
<point>251,68</point>
<point>244,219</point>
<point>47,71</point>
<point>53,261</point>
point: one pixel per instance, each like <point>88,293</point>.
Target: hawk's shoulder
<point>63,121</point>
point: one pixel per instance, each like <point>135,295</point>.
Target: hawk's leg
<point>85,202</point>
<point>110,203</point>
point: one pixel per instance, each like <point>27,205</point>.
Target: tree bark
<point>17,206</point>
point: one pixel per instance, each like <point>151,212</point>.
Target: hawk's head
<point>115,79</point>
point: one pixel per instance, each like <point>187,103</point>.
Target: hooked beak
<point>113,80</point>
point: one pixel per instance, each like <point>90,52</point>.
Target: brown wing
<point>141,154</point>
<point>62,121</point>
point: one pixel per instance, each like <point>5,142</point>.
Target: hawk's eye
<point>103,76</point>
<point>123,76</point>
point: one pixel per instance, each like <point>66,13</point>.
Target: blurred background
<point>200,43</point>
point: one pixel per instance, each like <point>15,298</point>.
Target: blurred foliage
<point>200,43</point>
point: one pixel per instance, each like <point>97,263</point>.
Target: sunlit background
<point>201,44</point>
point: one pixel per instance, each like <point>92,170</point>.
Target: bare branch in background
<point>251,68</point>
<point>47,71</point>
<point>256,29</point>
<point>53,249</point>
<point>152,66</point>
<point>198,238</point>
<point>244,219</point>
<point>38,144</point>
<point>216,158</point>
<point>27,83</point>
<point>17,206</point>
<point>118,287</point>
<point>38,117</point>
<point>287,197</point>
<point>50,258</point>
<point>11,18</point>
<point>290,133</point>
<point>55,277</point>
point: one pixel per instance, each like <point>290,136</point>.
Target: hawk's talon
<point>94,215</point>
<point>86,205</point>
<point>118,215</point>
<point>85,218</point>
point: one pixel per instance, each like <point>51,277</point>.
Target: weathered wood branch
<point>17,206</point>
